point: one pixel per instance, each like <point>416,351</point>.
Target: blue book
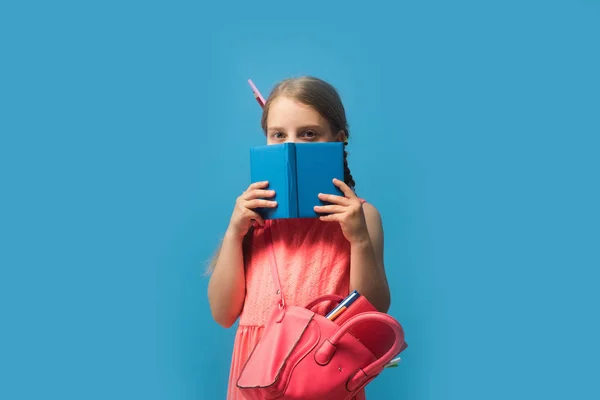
<point>297,172</point>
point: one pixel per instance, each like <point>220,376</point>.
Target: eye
<point>309,134</point>
<point>278,135</point>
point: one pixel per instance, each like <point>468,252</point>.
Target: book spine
<point>292,180</point>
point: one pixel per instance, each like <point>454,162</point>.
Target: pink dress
<point>313,258</point>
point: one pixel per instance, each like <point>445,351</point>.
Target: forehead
<point>285,112</point>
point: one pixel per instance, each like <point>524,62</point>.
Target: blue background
<point>124,135</point>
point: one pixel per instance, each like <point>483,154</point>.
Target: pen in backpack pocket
<point>340,308</point>
<point>393,363</point>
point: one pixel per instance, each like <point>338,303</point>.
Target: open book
<point>297,172</point>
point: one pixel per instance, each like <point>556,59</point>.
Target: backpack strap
<point>274,273</point>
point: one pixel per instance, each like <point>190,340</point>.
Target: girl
<point>333,254</point>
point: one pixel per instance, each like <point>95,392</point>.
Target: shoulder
<point>373,220</point>
<point>372,215</point>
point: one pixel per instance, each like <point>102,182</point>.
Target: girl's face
<point>291,121</point>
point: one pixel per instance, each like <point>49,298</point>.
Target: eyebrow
<point>305,127</point>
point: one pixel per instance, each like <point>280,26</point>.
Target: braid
<point>348,180</point>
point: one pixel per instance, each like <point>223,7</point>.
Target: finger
<point>335,199</point>
<point>259,203</point>
<point>349,193</point>
<point>257,185</point>
<point>330,209</point>
<point>330,217</point>
<point>258,194</point>
<point>256,216</point>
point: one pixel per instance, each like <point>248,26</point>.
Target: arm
<point>367,273</point>
<point>362,227</point>
<point>227,285</point>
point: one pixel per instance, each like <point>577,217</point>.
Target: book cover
<point>316,166</point>
<point>276,164</point>
<point>297,172</point>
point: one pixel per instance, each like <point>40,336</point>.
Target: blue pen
<point>343,305</point>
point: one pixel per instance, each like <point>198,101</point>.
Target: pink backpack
<point>303,355</point>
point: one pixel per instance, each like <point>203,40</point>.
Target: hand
<point>243,213</point>
<point>347,210</point>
